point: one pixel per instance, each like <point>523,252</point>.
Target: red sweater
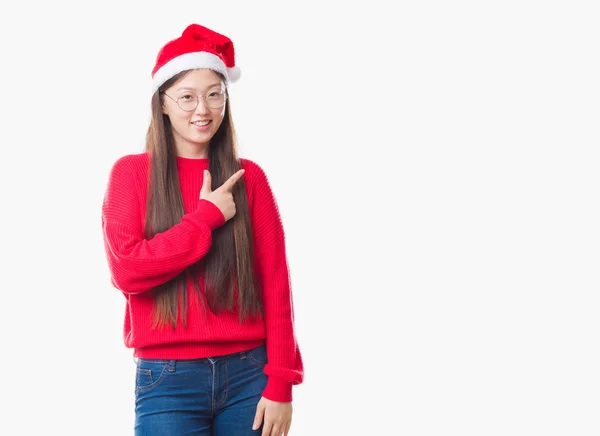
<point>137,265</point>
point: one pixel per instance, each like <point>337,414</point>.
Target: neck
<point>191,150</point>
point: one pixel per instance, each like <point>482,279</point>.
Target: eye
<point>187,97</point>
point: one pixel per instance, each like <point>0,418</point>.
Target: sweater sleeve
<point>285,367</point>
<point>137,264</point>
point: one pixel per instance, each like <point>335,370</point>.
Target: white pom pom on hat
<point>197,47</point>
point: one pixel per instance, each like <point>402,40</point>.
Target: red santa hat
<point>197,47</point>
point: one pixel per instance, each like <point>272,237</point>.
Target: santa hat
<point>197,47</point>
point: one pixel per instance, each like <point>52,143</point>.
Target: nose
<point>202,108</point>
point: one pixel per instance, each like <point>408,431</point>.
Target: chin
<point>203,140</point>
<point>200,137</point>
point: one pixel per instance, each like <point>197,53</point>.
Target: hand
<point>277,416</point>
<point>221,197</point>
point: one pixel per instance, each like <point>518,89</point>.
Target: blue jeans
<point>214,396</point>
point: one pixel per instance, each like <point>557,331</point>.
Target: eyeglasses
<point>188,102</point>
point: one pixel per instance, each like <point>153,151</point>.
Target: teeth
<point>201,123</point>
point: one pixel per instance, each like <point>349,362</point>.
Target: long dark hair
<point>228,267</point>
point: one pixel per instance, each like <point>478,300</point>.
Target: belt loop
<point>172,365</point>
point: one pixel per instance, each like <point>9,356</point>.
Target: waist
<point>195,350</point>
<point>205,335</point>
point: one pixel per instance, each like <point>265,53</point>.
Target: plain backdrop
<point>436,167</point>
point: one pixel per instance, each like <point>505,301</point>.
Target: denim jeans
<point>214,396</point>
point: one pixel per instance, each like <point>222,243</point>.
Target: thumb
<point>260,411</point>
<point>206,184</point>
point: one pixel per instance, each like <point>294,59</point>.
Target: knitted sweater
<point>137,265</point>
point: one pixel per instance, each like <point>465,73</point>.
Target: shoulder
<point>132,160</point>
<point>258,184</point>
<point>125,165</point>
<point>255,173</point>
<point>251,167</point>
<point>127,173</point>
<point>263,204</point>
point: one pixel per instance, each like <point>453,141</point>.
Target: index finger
<point>233,179</point>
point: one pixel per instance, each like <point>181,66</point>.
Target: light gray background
<point>436,168</point>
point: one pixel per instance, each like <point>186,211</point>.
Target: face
<point>195,127</point>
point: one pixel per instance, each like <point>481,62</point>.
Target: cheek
<point>180,120</point>
<point>218,123</point>
<point>218,120</point>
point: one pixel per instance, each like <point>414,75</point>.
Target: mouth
<point>201,122</point>
<point>201,125</point>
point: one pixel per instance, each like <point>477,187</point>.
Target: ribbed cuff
<point>278,390</point>
<point>210,214</point>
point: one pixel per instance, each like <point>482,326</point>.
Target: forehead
<point>198,80</point>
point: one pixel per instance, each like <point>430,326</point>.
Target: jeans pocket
<point>149,373</point>
<point>258,355</point>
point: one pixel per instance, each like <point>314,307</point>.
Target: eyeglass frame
<point>203,96</point>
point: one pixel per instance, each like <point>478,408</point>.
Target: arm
<point>137,264</point>
<point>285,366</point>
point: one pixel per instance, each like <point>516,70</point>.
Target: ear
<point>164,108</point>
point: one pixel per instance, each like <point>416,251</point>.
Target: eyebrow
<point>187,88</point>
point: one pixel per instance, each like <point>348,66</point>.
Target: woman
<point>195,243</point>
